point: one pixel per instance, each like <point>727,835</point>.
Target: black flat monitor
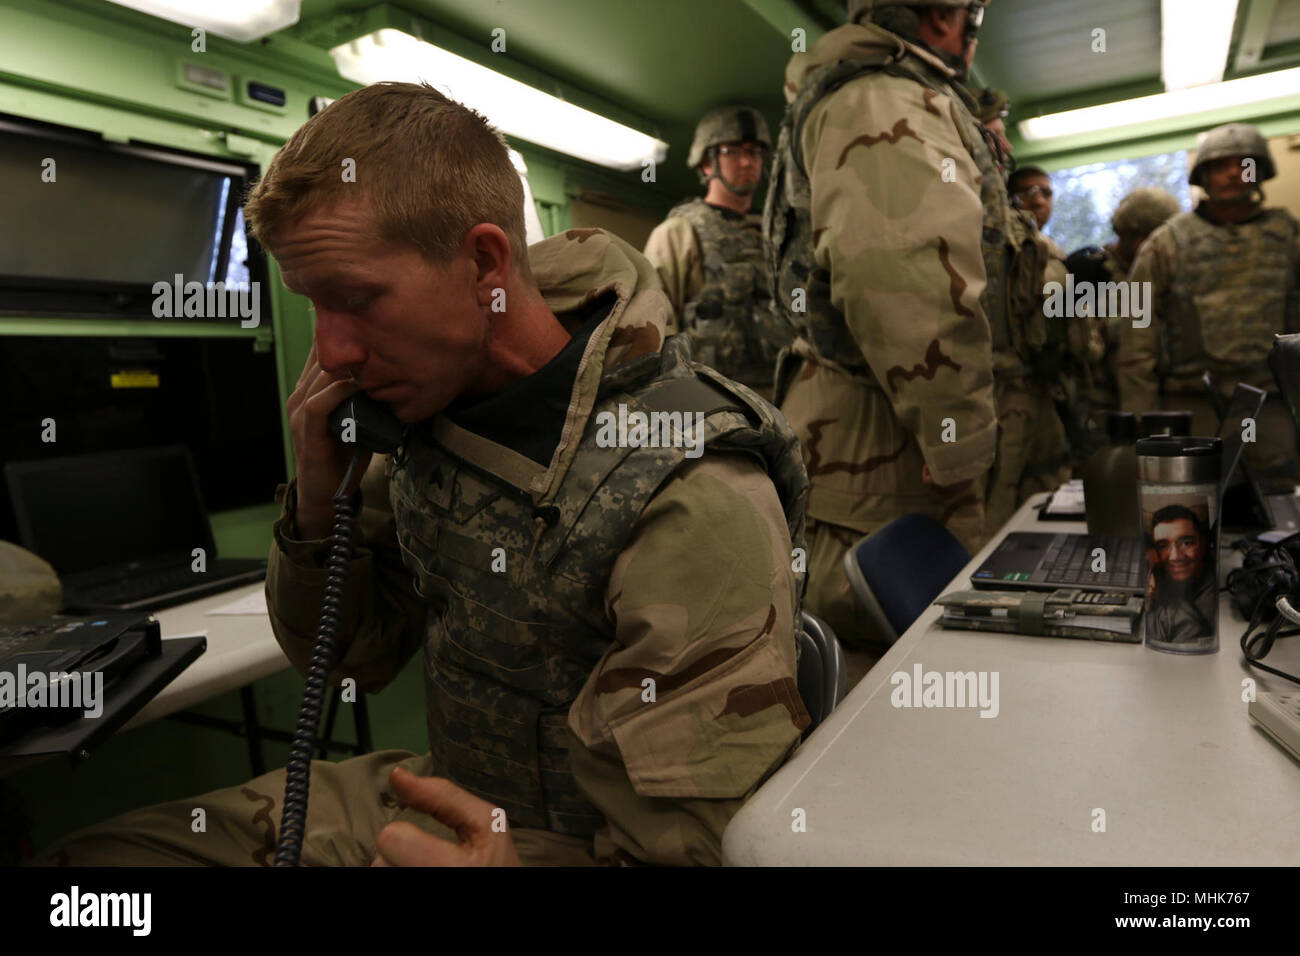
<point>91,226</point>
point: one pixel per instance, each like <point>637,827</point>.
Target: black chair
<point>822,677</point>
<point>897,571</point>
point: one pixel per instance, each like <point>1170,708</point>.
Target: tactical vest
<point>513,634</point>
<point>1234,286</point>
<point>730,322</point>
<point>787,222</point>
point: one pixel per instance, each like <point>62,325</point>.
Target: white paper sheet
<point>254,603</point>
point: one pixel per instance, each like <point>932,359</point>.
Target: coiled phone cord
<point>297,777</point>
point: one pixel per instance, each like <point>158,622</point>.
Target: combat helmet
<point>727,124</point>
<point>1142,210</point>
<point>856,8</point>
<point>1234,139</point>
<point>993,104</point>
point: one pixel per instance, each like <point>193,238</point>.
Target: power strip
<point>1279,715</point>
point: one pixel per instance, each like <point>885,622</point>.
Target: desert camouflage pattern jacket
<point>878,205</point>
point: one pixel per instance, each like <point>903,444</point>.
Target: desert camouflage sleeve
<point>383,616</point>
<point>1139,349</point>
<point>675,253</point>
<point>703,605</point>
<point>897,221</point>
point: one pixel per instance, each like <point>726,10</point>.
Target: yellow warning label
<point>134,379</point>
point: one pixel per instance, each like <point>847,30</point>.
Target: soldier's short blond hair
<point>430,169</point>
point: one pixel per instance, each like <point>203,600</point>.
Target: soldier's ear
<point>940,19</point>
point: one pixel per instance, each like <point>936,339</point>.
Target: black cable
<point>297,777</point>
<point>1282,582</point>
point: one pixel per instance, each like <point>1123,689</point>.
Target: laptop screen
<point>95,511</point>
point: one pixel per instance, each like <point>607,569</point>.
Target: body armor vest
<point>787,222</point>
<point>516,585</point>
<point>1233,288</point>
<point>730,322</point>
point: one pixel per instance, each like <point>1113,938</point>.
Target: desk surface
<point>241,649</point>
<point>1161,742</point>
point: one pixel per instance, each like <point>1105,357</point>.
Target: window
<point>1086,196</point>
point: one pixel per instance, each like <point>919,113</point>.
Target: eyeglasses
<point>1029,192</point>
<point>753,150</point>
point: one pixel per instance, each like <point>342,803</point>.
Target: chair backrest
<point>898,570</point>
<point>822,677</point>
<point>811,683</point>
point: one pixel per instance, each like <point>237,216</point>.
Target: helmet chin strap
<point>744,189</point>
<point>741,190</point>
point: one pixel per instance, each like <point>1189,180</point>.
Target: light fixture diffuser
<point>241,20</point>
<point>1194,40</point>
<point>1147,109</point>
<point>515,108</point>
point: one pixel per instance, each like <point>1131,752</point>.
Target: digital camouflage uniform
<point>873,221</point>
<point>1137,215</point>
<point>608,639</point>
<point>713,260</point>
<point>713,268</point>
<point>1219,293</point>
<point>1032,444</point>
<point>1030,372</point>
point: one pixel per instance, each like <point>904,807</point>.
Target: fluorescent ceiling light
<point>532,221</point>
<point>515,108</point>
<point>241,20</point>
<point>1194,41</point>
<point>1146,109</point>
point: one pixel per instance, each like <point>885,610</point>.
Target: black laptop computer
<point>1042,561</point>
<point>1247,502</point>
<point>121,529</point>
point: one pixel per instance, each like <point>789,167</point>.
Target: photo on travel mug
<point>1178,497</point>
<point>1182,586</point>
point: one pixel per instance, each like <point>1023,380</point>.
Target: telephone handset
<point>365,425</point>
<point>368,423</point>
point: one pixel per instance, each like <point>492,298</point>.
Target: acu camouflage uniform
<point>1219,292</point>
<point>873,222</point>
<point>712,263</point>
<point>623,568</point>
<point>1137,216</point>
<point>1030,371</point>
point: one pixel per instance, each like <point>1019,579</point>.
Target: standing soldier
<point>709,253</point>
<point>881,187</point>
<point>1222,283</point>
<point>1135,218</point>
<point>1033,383</point>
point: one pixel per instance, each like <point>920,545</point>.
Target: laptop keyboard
<point>1069,561</point>
<point>20,635</point>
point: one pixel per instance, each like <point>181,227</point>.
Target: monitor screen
<point>81,395</point>
<point>98,224</point>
